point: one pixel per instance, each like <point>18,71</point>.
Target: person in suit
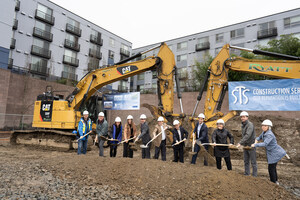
<point>179,133</point>
<point>220,136</point>
<point>201,132</point>
<point>274,151</point>
<point>145,136</point>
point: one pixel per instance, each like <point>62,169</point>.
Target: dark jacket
<point>220,137</point>
<point>184,135</point>
<point>102,128</point>
<point>116,133</point>
<point>248,134</point>
<point>203,136</point>
<point>145,135</point>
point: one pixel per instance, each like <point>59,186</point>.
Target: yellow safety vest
<point>83,125</point>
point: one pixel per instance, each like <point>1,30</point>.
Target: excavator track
<point>48,138</point>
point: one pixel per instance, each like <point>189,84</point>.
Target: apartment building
<point>47,41</point>
<point>197,47</point>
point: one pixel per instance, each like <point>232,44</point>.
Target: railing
<point>202,46</point>
<point>92,66</point>
<point>267,33</point>
<point>37,32</point>
<point>95,53</point>
<point>13,43</point>
<point>96,39</point>
<point>124,52</point>
<point>15,25</point>
<point>72,45</point>
<point>17,7</point>
<point>38,51</point>
<point>44,17</point>
<point>71,61</point>
<point>39,68</point>
<point>68,75</point>
<point>73,29</point>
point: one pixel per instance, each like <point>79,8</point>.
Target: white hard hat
<point>201,115</point>
<point>244,113</point>
<point>143,116</point>
<point>176,122</point>
<point>267,123</point>
<point>85,112</point>
<point>160,119</point>
<point>220,121</point>
<point>118,119</point>
<point>129,117</point>
<point>101,114</point>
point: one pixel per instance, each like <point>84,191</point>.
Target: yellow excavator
<point>56,119</point>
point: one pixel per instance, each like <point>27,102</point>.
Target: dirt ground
<point>65,175</point>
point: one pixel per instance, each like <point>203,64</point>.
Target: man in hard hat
<point>179,134</point>
<point>102,131</point>
<point>248,138</point>
<point>201,132</point>
<point>145,137</point>
<point>160,141</point>
<point>84,127</point>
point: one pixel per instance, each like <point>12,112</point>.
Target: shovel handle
<point>84,136</point>
<point>155,137</point>
<point>179,142</point>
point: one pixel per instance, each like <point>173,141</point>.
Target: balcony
<point>202,46</point>
<point>92,66</point>
<point>13,43</point>
<point>15,25</point>
<point>17,7</point>
<point>95,53</point>
<point>49,19</point>
<point>10,63</point>
<point>42,34</point>
<point>96,40</point>
<point>39,68</point>
<point>73,29</point>
<point>271,32</point>
<point>71,61</point>
<point>124,52</point>
<point>69,76</point>
<point>72,45</point>
<point>42,52</point>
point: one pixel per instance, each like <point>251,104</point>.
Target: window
<point>125,47</point>
<point>154,74</point>
<point>203,40</point>
<point>219,37</point>
<point>95,47</point>
<point>45,9</point>
<point>70,53</point>
<point>96,33</point>
<point>292,21</point>
<point>72,38</point>
<point>183,73</point>
<point>181,58</point>
<point>41,43</point>
<point>297,35</point>
<point>73,23</point>
<point>171,47</point>
<point>111,42</point>
<point>237,33</point>
<point>267,25</point>
<point>69,69</point>
<point>43,26</point>
<point>111,54</point>
<point>38,65</point>
<point>182,46</point>
<point>141,76</point>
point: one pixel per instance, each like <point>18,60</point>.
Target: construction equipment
<point>217,78</point>
<point>55,119</point>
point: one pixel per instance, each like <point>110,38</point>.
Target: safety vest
<point>83,125</point>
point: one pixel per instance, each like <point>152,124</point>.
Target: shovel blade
<point>143,146</point>
<point>192,153</point>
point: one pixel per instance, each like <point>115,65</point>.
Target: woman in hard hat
<point>220,136</point>
<point>179,134</point>
<point>129,133</point>
<point>116,134</point>
<point>274,151</point>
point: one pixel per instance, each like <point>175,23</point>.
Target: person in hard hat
<point>179,134</point>
<point>160,141</point>
<point>102,131</point>
<point>129,133</point>
<point>248,138</point>
<point>115,134</point>
<point>220,136</point>
<point>201,132</point>
<point>145,136</point>
<point>84,127</point>
<point>274,151</point>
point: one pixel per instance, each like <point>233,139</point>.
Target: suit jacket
<point>203,136</point>
<point>184,134</point>
<point>145,135</point>
<point>157,130</point>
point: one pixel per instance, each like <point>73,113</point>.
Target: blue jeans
<point>82,146</point>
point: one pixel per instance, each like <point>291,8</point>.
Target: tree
<point>201,70</point>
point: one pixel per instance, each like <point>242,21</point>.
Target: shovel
<point>179,142</point>
<point>84,136</point>
<point>193,146</point>
<point>146,146</point>
<point>126,140</point>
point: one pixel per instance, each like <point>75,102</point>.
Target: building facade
<point>46,41</point>
<point>197,47</point>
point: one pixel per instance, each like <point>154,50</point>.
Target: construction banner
<point>122,101</point>
<point>266,95</point>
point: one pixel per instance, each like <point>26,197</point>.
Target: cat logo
<point>126,69</point>
<point>46,107</point>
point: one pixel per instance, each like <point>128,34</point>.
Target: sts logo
<point>241,96</point>
<point>126,69</point>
